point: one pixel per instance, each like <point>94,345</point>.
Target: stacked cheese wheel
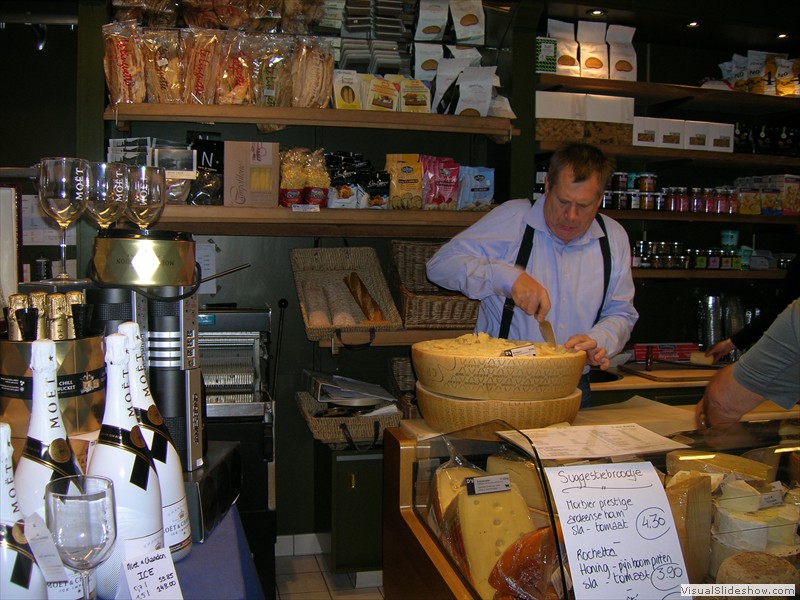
<point>467,380</point>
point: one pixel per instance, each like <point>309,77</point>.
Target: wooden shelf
<point>338,222</point>
<point>695,217</point>
<point>499,129</point>
<point>652,156</point>
<point>776,274</point>
<point>656,96</point>
<point>402,337</point>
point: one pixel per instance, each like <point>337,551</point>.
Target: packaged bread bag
<point>566,47</point>
<point>785,77</point>
<point>761,68</point>
<point>738,78</point>
<point>621,53</point>
<point>432,20</point>
<point>468,21</point>
<point>593,49</point>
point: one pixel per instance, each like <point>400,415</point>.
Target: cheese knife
<point>546,329</point>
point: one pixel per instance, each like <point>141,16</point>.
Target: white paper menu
<point>618,529</point>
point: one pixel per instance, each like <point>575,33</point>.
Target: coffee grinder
<point>151,277</point>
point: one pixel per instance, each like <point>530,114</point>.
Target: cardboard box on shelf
<point>560,116</point>
<point>609,120</point>
<point>645,131</point>
<point>546,49</point>
<point>720,137</point>
<point>252,174</point>
<point>670,134</point>
<point>788,187</point>
<point>696,135</point>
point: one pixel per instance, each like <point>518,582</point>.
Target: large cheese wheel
<point>480,527</point>
<point>447,413</point>
<point>472,366</point>
<point>757,568</point>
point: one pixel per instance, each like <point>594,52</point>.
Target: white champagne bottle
<point>46,455</point>
<point>122,456</point>
<point>20,576</point>
<point>174,509</point>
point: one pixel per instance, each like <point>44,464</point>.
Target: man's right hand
<point>531,296</point>
<point>721,349</point>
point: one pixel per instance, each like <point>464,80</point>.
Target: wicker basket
<point>402,383</point>
<point>325,265</point>
<point>448,413</point>
<point>328,430</point>
<point>424,305</point>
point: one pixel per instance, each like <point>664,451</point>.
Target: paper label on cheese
<point>488,484</point>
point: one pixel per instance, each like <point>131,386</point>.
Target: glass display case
<point>730,489</point>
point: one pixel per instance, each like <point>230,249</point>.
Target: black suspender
<point>522,260</point>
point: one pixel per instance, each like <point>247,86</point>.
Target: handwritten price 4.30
<point>651,523</point>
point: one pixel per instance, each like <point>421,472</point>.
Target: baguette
<point>338,304</point>
<point>316,305</point>
<point>362,296</point>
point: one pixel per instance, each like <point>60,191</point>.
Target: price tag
<point>488,484</point>
<point>152,575</point>
<point>618,528</point>
<point>44,549</point>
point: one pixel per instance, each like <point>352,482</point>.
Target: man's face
<point>569,207</point>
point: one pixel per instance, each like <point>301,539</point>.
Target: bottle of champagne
<point>20,576</point>
<point>121,455</point>
<point>46,455</point>
<point>174,510</point>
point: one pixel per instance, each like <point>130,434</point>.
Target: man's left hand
<point>595,356</point>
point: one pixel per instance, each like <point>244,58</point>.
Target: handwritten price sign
<point>618,528</point>
<point>153,576</point>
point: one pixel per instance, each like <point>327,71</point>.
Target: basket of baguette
<point>424,305</point>
<point>342,290</point>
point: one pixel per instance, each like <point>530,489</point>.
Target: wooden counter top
<point>634,382</point>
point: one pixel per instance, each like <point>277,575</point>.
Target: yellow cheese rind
<point>757,568</point>
<point>690,502</point>
<point>480,527</point>
<point>472,367</point>
<point>523,474</point>
<point>447,482</point>
<point>717,462</point>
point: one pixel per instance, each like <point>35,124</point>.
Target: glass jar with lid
<point>710,200</point>
<point>714,256</point>
<point>697,201</point>
<point>682,200</point>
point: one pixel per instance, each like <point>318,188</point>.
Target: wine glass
<point>64,185</point>
<point>148,189</point>
<point>81,515</point>
<point>108,196</point>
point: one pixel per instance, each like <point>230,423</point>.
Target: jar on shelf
<point>682,261</point>
<point>661,199</point>
<point>647,200</point>
<point>721,197</point>
<point>714,258</point>
<point>634,199</point>
<point>682,200</point>
<point>699,258</point>
<point>636,253</point>
<point>710,200</point>
<point>619,200</point>
<point>726,259</point>
<point>733,201</point>
<point>646,182</point>
<point>608,196</point>
<point>676,248</point>
<point>619,182</point>
<point>662,247</point>
<point>697,201</point>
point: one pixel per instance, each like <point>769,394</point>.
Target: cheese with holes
<point>717,462</point>
<point>714,478</point>
<point>690,502</point>
<point>523,474</point>
<point>472,366</point>
<point>757,568</point>
<point>738,495</point>
<point>447,482</point>
<point>480,527</point>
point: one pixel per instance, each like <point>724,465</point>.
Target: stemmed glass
<point>80,513</point>
<point>108,196</point>
<point>148,189</point>
<point>64,185</point>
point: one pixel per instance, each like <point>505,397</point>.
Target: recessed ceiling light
<point>783,36</point>
<point>596,12</point>
<point>693,24</point>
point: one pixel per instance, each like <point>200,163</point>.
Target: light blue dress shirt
<point>479,262</point>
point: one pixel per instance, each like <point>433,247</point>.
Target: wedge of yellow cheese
<point>690,502</point>
<point>717,462</point>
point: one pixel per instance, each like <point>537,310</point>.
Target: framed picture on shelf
<point>10,240</point>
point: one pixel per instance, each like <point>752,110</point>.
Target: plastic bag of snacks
<point>293,176</point>
<point>163,65</point>
<point>235,82</point>
<point>405,191</point>
<point>272,80</point>
<point>123,62</point>
<point>440,183</point>
<point>300,15</point>
<point>202,58</point>
<point>311,73</point>
<point>317,180</point>
<point>128,10</point>
<point>475,188</point>
<point>161,13</point>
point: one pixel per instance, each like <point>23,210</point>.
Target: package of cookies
<point>345,90</point>
<point>469,21</point>
<point>475,91</point>
<point>593,49</point>
<point>621,53</point>
<point>431,21</point>
<point>426,60</point>
<point>566,47</point>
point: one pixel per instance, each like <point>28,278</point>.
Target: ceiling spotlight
<point>596,12</point>
<point>693,24</point>
<point>783,36</point>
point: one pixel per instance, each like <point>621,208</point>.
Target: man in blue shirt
<point>563,280</point>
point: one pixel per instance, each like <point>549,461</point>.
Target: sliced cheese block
<point>479,529</point>
<point>690,501</point>
<point>523,570</point>
<point>714,478</point>
<point>472,366</point>
<point>700,358</point>
<point>768,456</point>
<point>717,462</point>
<point>447,482</point>
<point>738,495</point>
<point>757,568</point>
<point>523,473</point>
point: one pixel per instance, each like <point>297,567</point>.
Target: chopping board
<point>669,372</point>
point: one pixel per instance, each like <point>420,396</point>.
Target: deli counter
<point>423,559</point>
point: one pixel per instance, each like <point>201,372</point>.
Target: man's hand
<point>595,356</point>
<point>721,349</point>
<point>725,400</point>
<point>531,296</point>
